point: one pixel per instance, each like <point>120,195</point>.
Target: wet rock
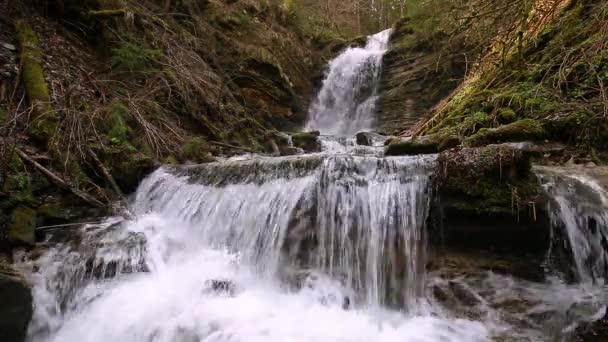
<point>593,331</point>
<point>411,147</point>
<point>489,199</point>
<point>291,151</point>
<point>365,138</point>
<point>422,145</point>
<point>23,226</point>
<point>16,307</point>
<point>411,84</point>
<point>221,287</point>
<point>463,294</point>
<point>307,141</point>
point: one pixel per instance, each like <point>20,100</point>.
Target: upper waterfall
<point>346,102</point>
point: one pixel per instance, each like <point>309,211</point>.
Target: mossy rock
<point>429,144</point>
<point>493,178</point>
<point>52,212</point>
<point>308,141</point>
<point>129,171</point>
<point>521,130</point>
<point>23,226</point>
<point>411,147</point>
<point>16,309</point>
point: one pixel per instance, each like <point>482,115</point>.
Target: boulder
<point>365,138</point>
<point>488,199</point>
<point>593,331</point>
<point>428,144</point>
<point>23,226</point>
<point>16,308</point>
<point>307,141</point>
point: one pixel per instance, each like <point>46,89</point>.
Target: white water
<point>346,102</point>
<point>321,247</point>
<point>579,213</point>
<point>151,278</point>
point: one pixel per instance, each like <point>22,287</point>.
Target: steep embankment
<point>416,75</point>
<point>552,87</point>
<point>536,93</point>
<point>95,93</point>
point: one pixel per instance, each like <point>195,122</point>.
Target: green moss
<point>196,150</point>
<point>308,141</point>
<point>117,124</point>
<point>506,115</point>
<point>411,147</point>
<point>53,211</point>
<point>522,130</point>
<point>131,57</point>
<point>44,124</point>
<point>23,226</point>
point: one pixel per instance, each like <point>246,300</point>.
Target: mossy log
<point>522,130</point>
<point>45,119</point>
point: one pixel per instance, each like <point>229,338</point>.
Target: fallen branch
<point>60,182</point>
<point>105,172</point>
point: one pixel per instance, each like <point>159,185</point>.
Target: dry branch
<point>60,182</point>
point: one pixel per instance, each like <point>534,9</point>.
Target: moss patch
<point>44,124</point>
<point>308,141</point>
<point>522,130</point>
<point>23,226</point>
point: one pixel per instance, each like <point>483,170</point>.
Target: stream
<point>327,246</point>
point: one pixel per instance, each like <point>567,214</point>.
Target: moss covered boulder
<point>16,308</point>
<point>22,228</point>
<point>488,199</point>
<point>422,145</point>
<point>308,141</point>
<point>521,130</point>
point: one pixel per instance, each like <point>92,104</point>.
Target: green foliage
<point>196,150</point>
<point>117,120</point>
<point>131,57</point>
<point>506,115</point>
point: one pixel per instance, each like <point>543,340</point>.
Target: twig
<point>105,172</point>
<point>59,182</point>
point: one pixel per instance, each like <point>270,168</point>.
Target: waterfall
<point>346,102</point>
<point>579,219</point>
<point>312,248</point>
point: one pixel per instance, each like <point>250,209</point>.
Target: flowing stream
<point>328,246</point>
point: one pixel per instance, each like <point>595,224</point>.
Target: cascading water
<point>345,105</point>
<point>319,247</point>
<point>303,248</point>
<point>579,217</point>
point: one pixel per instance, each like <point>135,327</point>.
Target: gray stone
<point>16,307</point>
